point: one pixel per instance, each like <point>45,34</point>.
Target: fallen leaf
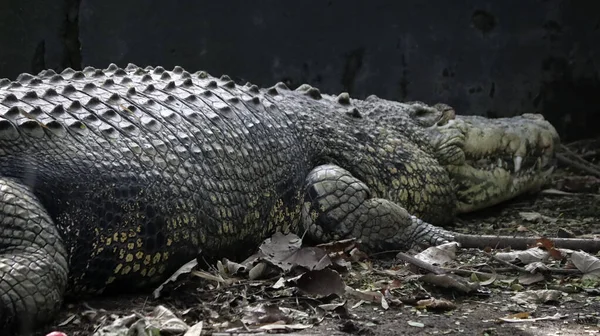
<point>521,315</point>
<point>384,303</point>
<point>358,255</point>
<point>526,256</point>
<point>487,282</point>
<point>211,277</point>
<point>195,330</point>
<point>67,321</point>
<point>166,321</point>
<point>259,271</point>
<point>160,320</point>
<point>279,284</point>
<point>436,304</point>
<point>537,296</point>
<point>536,267</point>
<point>367,296</point>
<point>553,191</point>
<point>234,268</point>
<point>339,246</point>
<point>565,233</point>
<point>285,252</point>
<point>264,314</point>
<point>556,316</point>
<point>439,255</point>
<point>536,217</point>
<point>581,184</point>
<point>450,281</point>
<point>279,249</point>
<point>415,324</point>
<point>286,327</point>
<point>549,246</point>
<point>187,268</point>
<point>332,306</point>
<point>587,264</point>
<point>340,262</point>
<point>528,279</point>
<point>311,258</point>
<point>321,283</point>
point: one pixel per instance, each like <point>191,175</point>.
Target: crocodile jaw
<point>494,160</point>
<point>477,188</point>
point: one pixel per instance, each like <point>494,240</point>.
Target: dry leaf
<point>285,252</point>
<point>527,256</point>
<point>450,281</point>
<point>439,255</point>
<point>556,316</point>
<point>537,296</point>
<point>587,264</point>
<point>321,283</point>
<point>436,304</point>
<point>187,268</point>
<point>416,324</point>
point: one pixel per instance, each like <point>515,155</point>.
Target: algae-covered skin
<point>110,179</point>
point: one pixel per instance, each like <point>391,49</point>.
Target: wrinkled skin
<point>489,160</point>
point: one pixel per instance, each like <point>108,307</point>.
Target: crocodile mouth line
<point>485,182</point>
<point>517,165</point>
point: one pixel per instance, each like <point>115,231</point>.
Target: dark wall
<point>495,58</point>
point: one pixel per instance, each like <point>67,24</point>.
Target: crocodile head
<point>489,160</point>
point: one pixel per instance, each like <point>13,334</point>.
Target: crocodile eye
<point>421,112</point>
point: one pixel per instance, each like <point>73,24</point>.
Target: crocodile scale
<point>111,179</point>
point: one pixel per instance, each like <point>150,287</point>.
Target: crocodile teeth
<point>500,163</point>
<point>517,161</point>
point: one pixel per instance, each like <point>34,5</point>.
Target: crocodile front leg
<point>338,206</point>
<point>33,261</point>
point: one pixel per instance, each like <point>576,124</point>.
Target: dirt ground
<point>576,208</point>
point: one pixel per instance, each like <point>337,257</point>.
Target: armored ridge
<point>113,178</point>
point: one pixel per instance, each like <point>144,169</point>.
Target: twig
<point>461,271</point>
<point>384,252</point>
<point>583,142</point>
<point>567,271</point>
<point>555,192</point>
<point>580,166</point>
<point>577,162</point>
<point>386,274</point>
<point>506,263</point>
<point>480,302</point>
<point>543,271</point>
<point>590,154</point>
<point>420,263</point>
<point>522,243</point>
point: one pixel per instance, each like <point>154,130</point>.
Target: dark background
<point>494,58</point>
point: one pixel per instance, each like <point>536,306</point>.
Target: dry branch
<point>570,158</point>
<point>522,243</point>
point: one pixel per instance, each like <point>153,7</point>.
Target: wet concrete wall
<point>494,58</point>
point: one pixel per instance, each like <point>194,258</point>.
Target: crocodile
<point>112,178</point>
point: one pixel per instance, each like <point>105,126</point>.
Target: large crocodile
<point>113,178</point>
